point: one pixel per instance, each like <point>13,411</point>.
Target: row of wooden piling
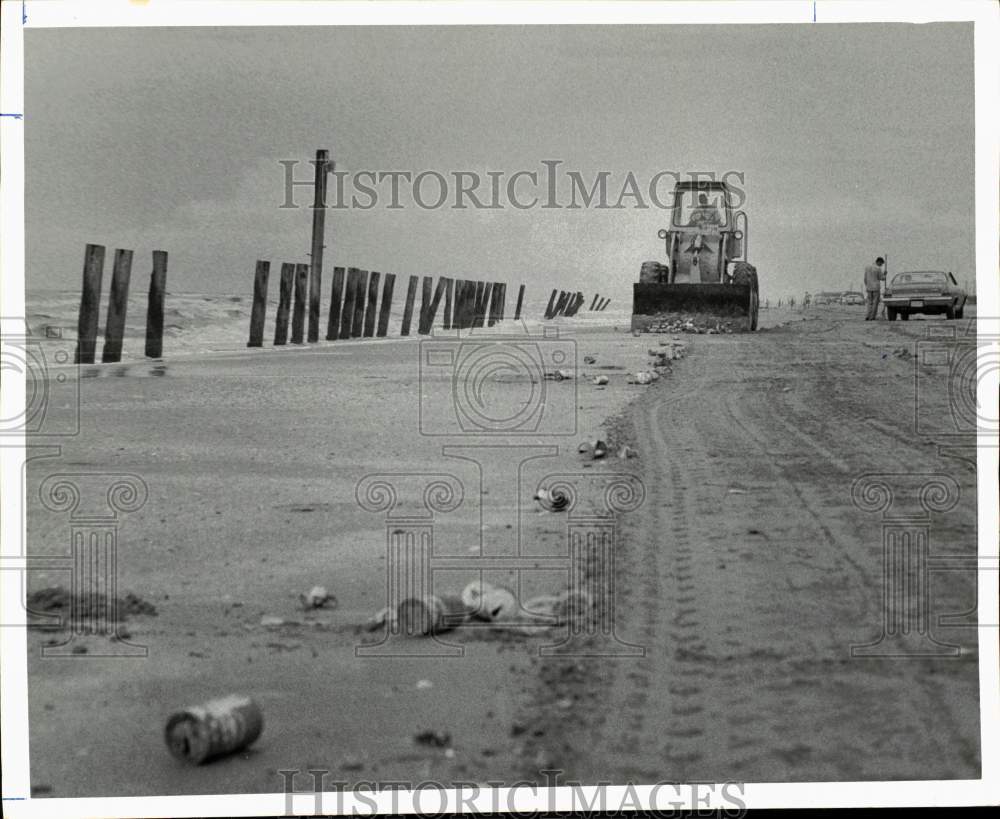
<point>114,330</point>
<point>357,312</point>
<point>563,303</point>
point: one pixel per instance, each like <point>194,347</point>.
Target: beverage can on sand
<point>214,729</point>
<point>431,614</point>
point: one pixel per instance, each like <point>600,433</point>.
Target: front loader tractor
<point>706,275</point>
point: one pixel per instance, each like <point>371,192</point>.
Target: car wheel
<point>904,315</point>
<point>950,312</point>
<point>960,312</point>
<point>891,313</point>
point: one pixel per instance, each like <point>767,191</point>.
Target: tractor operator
<point>874,276</point>
<point>704,214</point>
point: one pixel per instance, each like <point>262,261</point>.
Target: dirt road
<point>750,572</point>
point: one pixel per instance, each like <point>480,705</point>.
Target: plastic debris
<point>600,380</point>
<point>642,377</point>
<point>488,602</point>
<point>381,618</point>
<point>431,614</point>
<point>423,685</point>
<point>589,359</point>
<point>560,375</point>
<point>627,452</point>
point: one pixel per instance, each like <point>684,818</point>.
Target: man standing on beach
<point>874,276</point>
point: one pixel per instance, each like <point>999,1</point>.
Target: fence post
<point>360,289</point>
<point>372,304</point>
<point>114,329</point>
<point>336,293</point>
<point>429,309</point>
<point>593,304</point>
<point>90,304</point>
<point>447,318</point>
<point>503,300</point>
<point>347,312</point>
<point>520,302</point>
<point>383,316</point>
<point>550,308</point>
<point>458,311</point>
<point>259,309</point>
<point>299,310</point>
<point>154,307</point>
<point>411,294</point>
<point>493,311</point>
<point>284,303</point>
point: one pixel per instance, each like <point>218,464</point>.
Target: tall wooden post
<point>90,304</point>
<point>360,297</point>
<point>370,311</point>
<point>114,330</point>
<point>154,308</point>
<point>502,286</point>
<point>411,294</point>
<point>299,310</point>
<point>593,304</point>
<point>426,294</point>
<point>607,301</point>
<point>447,318</point>
<point>316,259</point>
<point>259,309</point>
<point>284,303</point>
<point>386,308</point>
<point>458,308</point>
<point>347,313</point>
<point>336,293</point>
<point>520,303</point>
<point>493,312</point>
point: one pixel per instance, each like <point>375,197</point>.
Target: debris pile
<point>56,599</point>
<point>705,323</point>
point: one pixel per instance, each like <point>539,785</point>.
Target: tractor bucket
<point>655,303</point>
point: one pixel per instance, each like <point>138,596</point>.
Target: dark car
<point>924,291</point>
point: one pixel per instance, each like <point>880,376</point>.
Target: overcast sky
<point>853,140</point>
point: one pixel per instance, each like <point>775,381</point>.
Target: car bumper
<point>918,303</point>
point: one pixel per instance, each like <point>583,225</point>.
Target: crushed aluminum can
<point>430,614</point>
<point>216,728</point>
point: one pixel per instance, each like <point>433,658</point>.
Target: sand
<point>253,459</point>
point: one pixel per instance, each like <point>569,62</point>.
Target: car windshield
<point>920,277</point>
<point>704,208</point>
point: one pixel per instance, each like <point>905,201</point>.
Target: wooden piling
<point>593,304</point>
<point>284,303</point>
<point>360,291</point>
<point>560,303</point>
<point>503,301</point>
<point>447,318</point>
<point>114,329</point>
<point>482,300</point>
<point>458,312</point>
<point>259,309</point>
<point>316,256</point>
<point>550,309</point>
<point>426,295</point>
<point>469,313</point>
<point>154,307</point>
<point>429,312</point>
<point>347,311</point>
<point>411,294</point>
<point>607,301</point>
<point>493,311</point>
<point>90,304</point>
<point>520,303</point>
<point>336,294</point>
<point>299,310</point>
<point>372,308</point>
<point>386,308</point>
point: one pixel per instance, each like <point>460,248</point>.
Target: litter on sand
<point>600,380</point>
<point>551,501</point>
<point>204,732</point>
<point>317,598</point>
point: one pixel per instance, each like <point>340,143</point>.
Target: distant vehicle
<point>924,291</point>
<point>852,297</point>
<point>826,297</point>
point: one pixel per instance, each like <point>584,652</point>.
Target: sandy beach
<point>746,595</point>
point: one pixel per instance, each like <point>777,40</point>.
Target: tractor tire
<point>891,313</point>
<point>746,273</point>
